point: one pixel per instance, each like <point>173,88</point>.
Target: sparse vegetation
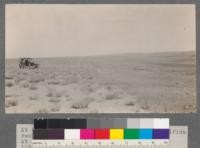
<point>112,96</point>
<point>90,77</point>
<point>42,111</point>
<point>9,84</point>
<point>11,102</point>
<point>53,82</point>
<point>25,85</point>
<point>50,94</point>
<point>34,97</point>
<point>106,85</point>
<point>80,105</point>
<point>18,80</point>
<point>54,100</point>
<point>145,107</point>
<point>55,109</point>
<point>8,77</point>
<point>59,94</point>
<point>33,87</point>
<point>8,95</point>
<point>36,79</point>
<point>68,99</point>
<point>67,95</point>
<point>131,103</point>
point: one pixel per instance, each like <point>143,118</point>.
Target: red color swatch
<point>102,133</point>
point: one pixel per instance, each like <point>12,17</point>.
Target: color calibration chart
<point>98,133</point>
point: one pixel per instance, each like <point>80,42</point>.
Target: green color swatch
<point>131,134</point>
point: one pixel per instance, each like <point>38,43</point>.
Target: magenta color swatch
<point>87,133</point>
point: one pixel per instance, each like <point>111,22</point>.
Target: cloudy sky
<point>54,30</point>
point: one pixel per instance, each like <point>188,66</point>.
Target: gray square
<point>120,123</point>
<point>93,123</point>
<point>133,123</point>
<point>106,123</point>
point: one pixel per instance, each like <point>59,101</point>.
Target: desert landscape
<point>162,82</point>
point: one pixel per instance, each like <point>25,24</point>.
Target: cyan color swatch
<point>146,134</point>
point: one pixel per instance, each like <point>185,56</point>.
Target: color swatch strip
<point>100,133</point>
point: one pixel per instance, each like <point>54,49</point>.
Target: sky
<point>62,30</point>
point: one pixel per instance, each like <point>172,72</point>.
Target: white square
<point>146,123</point>
<point>161,123</point>
<point>72,134</point>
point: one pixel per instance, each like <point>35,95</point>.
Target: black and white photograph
<point>100,58</point>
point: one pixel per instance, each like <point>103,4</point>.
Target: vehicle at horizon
<point>27,63</point>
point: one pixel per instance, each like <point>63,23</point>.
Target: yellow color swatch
<point>116,133</point>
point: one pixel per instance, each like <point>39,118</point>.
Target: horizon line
<point>97,55</point>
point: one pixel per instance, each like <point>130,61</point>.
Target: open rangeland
<point>121,83</point>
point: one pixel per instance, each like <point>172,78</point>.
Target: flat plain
<point>118,83</point>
